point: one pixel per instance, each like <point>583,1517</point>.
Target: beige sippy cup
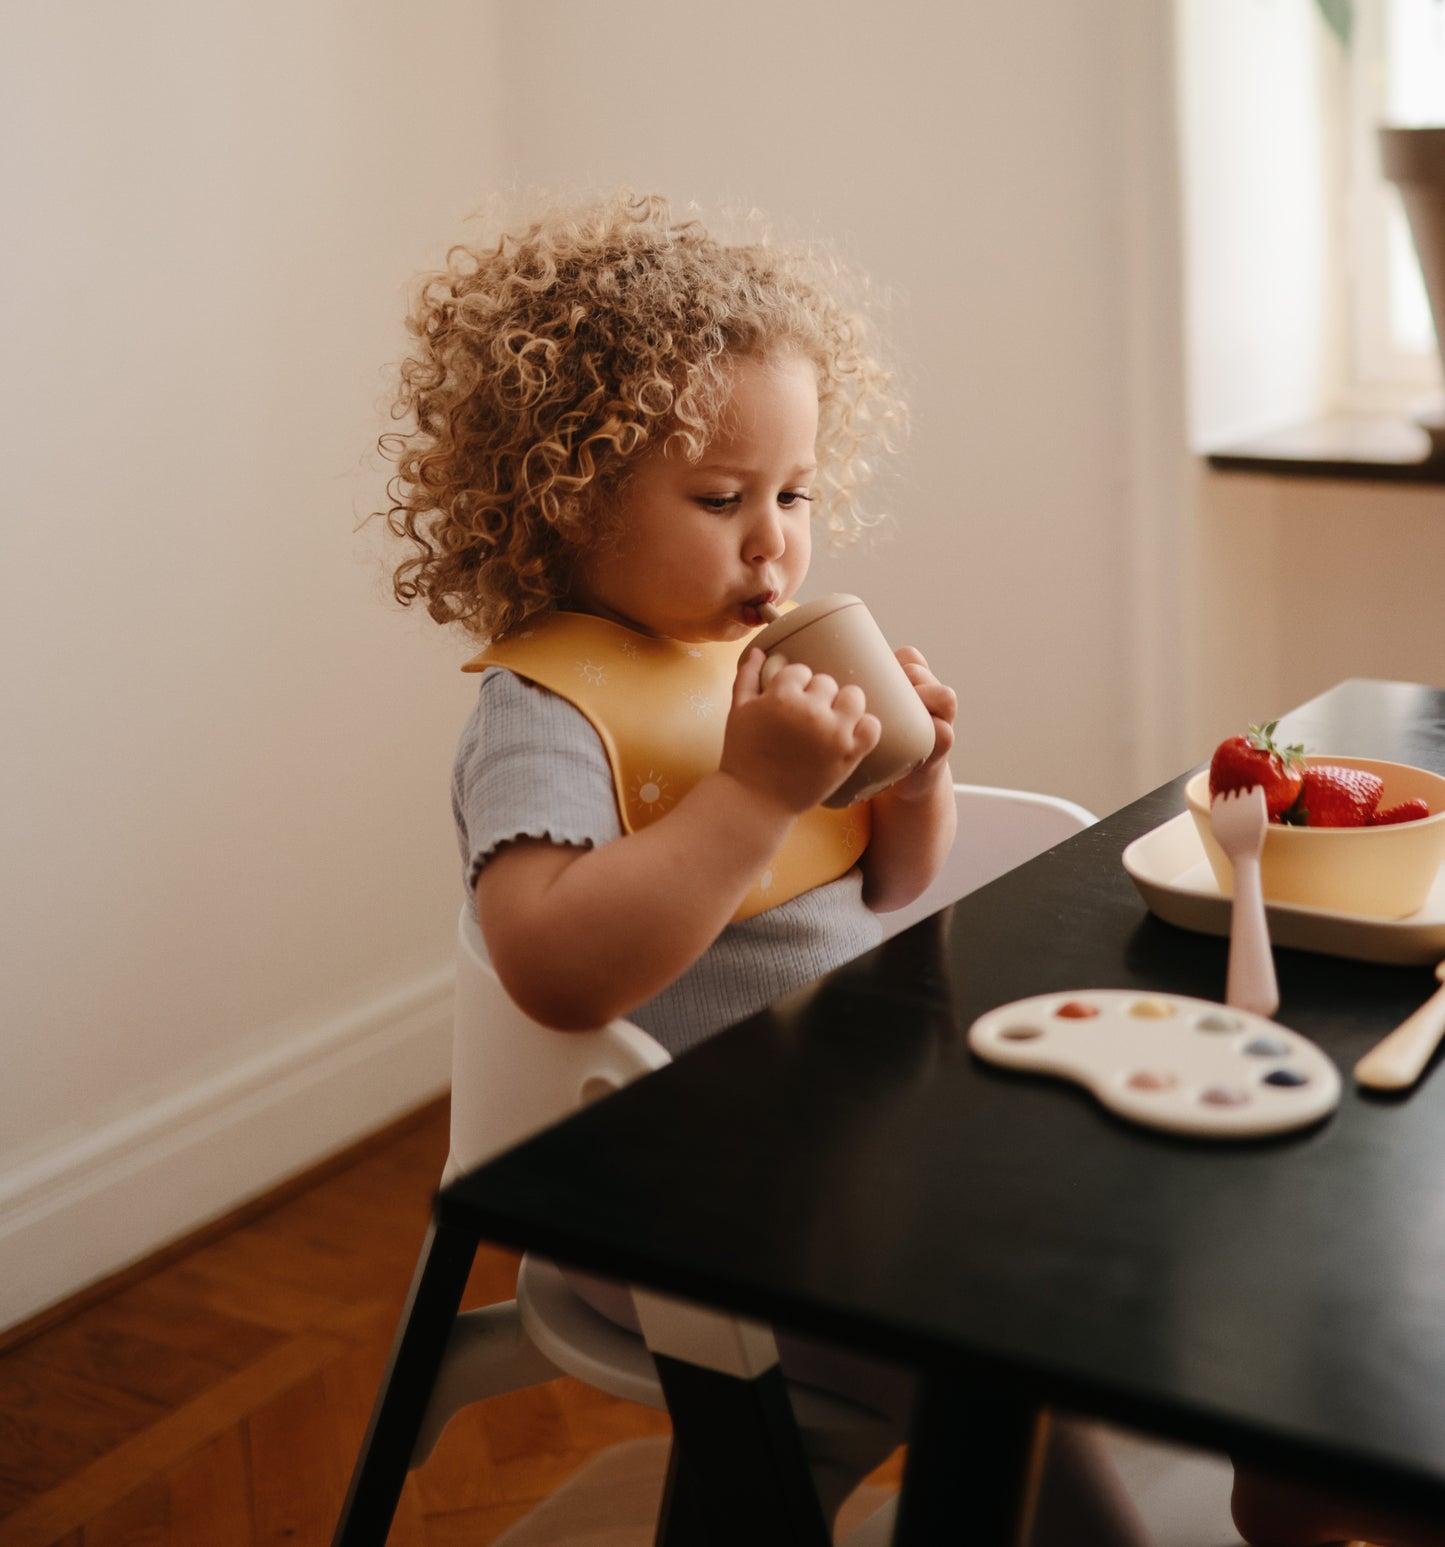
<point>838,636</point>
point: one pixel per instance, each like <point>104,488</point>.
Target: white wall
<point>229,871</point>
<point>979,161</point>
<point>227,846</point>
<point>1306,582</point>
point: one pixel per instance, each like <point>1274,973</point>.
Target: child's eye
<point>718,503</point>
<point>790,497</point>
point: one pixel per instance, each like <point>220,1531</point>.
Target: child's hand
<point>796,740</point>
<point>942,703</point>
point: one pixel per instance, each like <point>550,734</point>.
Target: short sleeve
<point>528,765</point>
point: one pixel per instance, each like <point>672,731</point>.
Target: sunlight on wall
<point>1259,226</point>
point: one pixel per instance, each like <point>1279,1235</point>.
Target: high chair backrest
<point>510,1077</point>
<point>997,830</point>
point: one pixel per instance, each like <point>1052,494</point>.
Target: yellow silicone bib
<point>659,708</point>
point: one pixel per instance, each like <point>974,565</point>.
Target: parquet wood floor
<point>218,1397</point>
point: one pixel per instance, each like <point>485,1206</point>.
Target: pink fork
<point>1239,822</point>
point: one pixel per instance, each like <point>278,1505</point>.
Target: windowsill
<point>1358,446</point>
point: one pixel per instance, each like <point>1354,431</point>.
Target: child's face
<point>702,544</point>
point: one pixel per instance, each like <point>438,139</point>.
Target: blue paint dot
<point>1286,1077</point>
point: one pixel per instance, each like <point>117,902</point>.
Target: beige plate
<point>1168,866</point>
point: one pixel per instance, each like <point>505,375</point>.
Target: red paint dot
<point>1077,1010</point>
<point>1152,1079</point>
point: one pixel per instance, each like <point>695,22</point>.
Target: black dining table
<point>842,1166</point>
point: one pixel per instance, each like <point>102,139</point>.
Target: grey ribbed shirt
<point>530,765</point>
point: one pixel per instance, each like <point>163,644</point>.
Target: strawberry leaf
<point>1261,738</point>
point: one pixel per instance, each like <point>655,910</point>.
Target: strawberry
<point>1336,797</point>
<point>1405,811</point>
<point>1241,762</point>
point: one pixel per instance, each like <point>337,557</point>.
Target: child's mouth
<point>752,609</point>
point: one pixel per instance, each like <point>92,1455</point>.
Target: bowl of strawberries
<point>1349,834</point>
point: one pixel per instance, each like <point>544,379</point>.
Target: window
<point>1302,290</point>
<point>1396,76</point>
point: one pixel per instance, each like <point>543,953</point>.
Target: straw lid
<point>788,624</point>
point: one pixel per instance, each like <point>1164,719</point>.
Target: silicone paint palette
<point>1166,1061</point>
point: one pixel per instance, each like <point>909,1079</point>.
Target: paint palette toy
<point>1166,1061</point>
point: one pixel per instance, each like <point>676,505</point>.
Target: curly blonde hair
<point>543,365</point>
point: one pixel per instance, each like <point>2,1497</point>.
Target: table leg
<point>970,1469</point>
<point>411,1372</point>
<point>737,1472</point>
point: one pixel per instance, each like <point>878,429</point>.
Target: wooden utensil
<point>1396,1062</point>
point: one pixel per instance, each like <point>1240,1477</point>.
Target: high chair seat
<point>752,1454</point>
<point>582,1342</point>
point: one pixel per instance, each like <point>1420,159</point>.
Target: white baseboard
<point>102,1200</point>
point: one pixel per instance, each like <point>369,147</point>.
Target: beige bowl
<point>1383,872</point>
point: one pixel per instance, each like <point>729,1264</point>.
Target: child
<point>620,419</point>
<point>624,432</point>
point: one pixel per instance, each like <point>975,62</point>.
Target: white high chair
<point>511,1078</point>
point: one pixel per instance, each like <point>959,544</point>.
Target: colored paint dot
<point>1266,1047</point>
<point>1152,1079</point>
<point>1021,1033</point>
<point>1077,1010</point>
<point>1225,1096</point>
<point>1217,1020</point>
<point>1151,1010</point>
<point>1290,1078</point>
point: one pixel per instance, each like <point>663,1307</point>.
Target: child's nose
<point>766,539</point>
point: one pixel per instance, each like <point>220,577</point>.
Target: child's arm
<point>581,936</point>
<point>914,820</point>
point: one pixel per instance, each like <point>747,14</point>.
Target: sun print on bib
<point>652,792</point>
